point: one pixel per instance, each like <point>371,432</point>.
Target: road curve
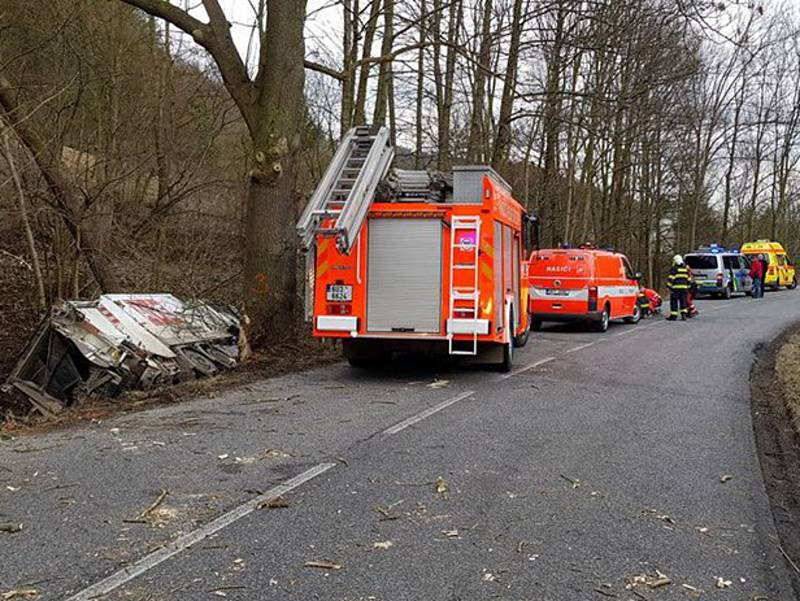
<point>601,458</point>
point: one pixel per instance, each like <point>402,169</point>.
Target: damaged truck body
<point>123,342</point>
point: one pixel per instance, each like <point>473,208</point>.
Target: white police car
<point>717,271</point>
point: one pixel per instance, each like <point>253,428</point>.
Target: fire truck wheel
<point>508,357</point>
<point>363,362</point>
<point>522,339</point>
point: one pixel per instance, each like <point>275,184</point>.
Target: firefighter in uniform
<point>678,283</point>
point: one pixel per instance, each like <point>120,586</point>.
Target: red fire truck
<point>409,260</point>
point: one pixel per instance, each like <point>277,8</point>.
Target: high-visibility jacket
<point>679,278</point>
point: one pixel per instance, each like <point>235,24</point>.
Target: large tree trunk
<point>349,54</point>
<point>382,100</point>
<point>502,142</point>
<point>552,125</point>
<point>475,143</point>
<point>446,94</point>
<point>360,115</point>
<point>270,240</point>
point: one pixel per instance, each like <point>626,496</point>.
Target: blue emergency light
<point>717,249</point>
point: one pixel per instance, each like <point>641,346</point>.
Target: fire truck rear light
<point>339,309</point>
<point>593,298</point>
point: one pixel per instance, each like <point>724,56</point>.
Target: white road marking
<point>427,413</point>
<point>580,347</point>
<point>172,548</point>
<point>522,370</point>
<point>625,333</point>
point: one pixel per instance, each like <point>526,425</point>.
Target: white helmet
<point>677,259</point>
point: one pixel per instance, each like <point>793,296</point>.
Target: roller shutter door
<point>404,275</point>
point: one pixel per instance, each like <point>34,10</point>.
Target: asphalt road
<point>598,462</point>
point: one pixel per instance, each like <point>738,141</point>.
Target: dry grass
<point>787,369</point>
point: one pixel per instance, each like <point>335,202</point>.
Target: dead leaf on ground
<point>323,564</point>
<point>574,481</point>
<point>386,515</point>
<point>725,478</point>
<point>451,533</point>
<point>22,593</point>
<point>659,516</point>
<point>273,503</point>
<point>276,453</point>
<point>650,581</point>
<point>721,582</point>
<point>441,486</point>
<point>384,544</point>
<point>10,527</point>
<point>439,384</point>
<point>489,577</point>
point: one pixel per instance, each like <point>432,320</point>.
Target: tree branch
<point>215,37</point>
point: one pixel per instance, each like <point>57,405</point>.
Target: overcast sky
<point>323,25</point>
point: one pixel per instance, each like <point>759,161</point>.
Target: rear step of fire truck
<point>464,299</point>
<point>342,199</point>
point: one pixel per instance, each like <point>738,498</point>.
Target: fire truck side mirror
<point>531,232</point>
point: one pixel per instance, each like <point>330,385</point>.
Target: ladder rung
<point>460,266</point>
<point>464,295</point>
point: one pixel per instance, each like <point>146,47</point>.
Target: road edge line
<point>148,562</point>
<point>414,419</point>
<point>522,370</point>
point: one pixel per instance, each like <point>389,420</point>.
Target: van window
<point>629,273</point>
<point>702,261</point>
<point>731,262</point>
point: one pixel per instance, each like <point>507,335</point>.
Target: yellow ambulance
<point>779,269</point>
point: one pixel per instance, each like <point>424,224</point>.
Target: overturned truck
<point>123,342</point>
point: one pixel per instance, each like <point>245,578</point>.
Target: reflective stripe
<point>539,292</point>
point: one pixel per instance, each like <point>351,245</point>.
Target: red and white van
<point>582,284</point>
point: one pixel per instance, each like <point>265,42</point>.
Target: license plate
<point>337,293</point>
<point>555,292</point>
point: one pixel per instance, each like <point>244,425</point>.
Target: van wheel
<point>637,315</point>
<point>602,325</point>
<point>728,293</point>
<point>522,339</point>
<point>793,284</point>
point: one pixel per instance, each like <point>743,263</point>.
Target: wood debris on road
<point>323,564</point>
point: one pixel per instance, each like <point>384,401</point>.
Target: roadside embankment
<point>787,372</point>
<point>775,390</point>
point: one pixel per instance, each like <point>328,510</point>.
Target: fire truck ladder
<point>462,294</point>
<point>342,199</point>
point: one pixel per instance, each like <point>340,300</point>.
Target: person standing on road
<point>678,283</point>
<point>757,273</point>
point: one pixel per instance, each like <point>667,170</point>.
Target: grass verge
<point>787,371</point>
